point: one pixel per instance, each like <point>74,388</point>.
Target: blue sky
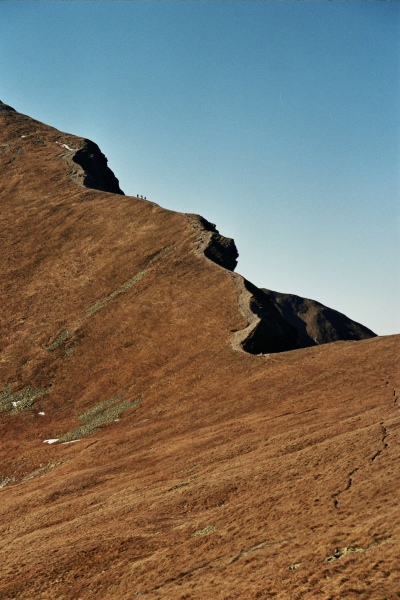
<point>277,121</point>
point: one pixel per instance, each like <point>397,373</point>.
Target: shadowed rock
<point>315,323</point>
<point>219,249</point>
<point>4,108</point>
<point>97,175</point>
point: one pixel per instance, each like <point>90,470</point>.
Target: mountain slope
<point>201,470</point>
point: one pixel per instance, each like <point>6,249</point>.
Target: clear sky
<point>277,121</point>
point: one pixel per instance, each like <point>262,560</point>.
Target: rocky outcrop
<point>88,166</point>
<point>281,322</point>
<point>221,250</point>
<point>313,322</point>
<point>266,330</point>
<point>95,172</point>
<point>276,322</point>
<point>4,108</point>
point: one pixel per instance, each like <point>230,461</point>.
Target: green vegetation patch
<point>16,402</point>
<point>204,531</point>
<point>6,480</point>
<point>103,413</point>
<point>163,253</point>
<point>94,308</point>
<point>65,335</point>
<point>102,302</point>
<point>42,470</point>
<point>61,338</point>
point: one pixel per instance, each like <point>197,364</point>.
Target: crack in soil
<point>216,561</point>
<point>259,546</point>
<point>394,394</point>
<point>348,486</point>
<point>248,550</point>
<point>181,575</point>
<point>385,434</point>
<point>385,445</point>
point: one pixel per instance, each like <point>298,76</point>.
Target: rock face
<point>214,246</point>
<point>315,323</point>
<point>289,322</point>
<point>96,173</point>
<point>143,452</point>
<point>282,322</point>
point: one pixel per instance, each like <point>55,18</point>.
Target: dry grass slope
<point>237,476</point>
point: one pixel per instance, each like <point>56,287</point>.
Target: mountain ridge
<point>141,453</point>
<point>88,166</point>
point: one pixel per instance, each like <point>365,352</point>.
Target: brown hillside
<point>200,470</point>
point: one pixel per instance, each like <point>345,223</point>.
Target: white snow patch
<point>65,146</point>
<point>71,442</point>
<point>23,136</point>
<point>16,403</point>
<point>53,441</point>
<point>41,413</point>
